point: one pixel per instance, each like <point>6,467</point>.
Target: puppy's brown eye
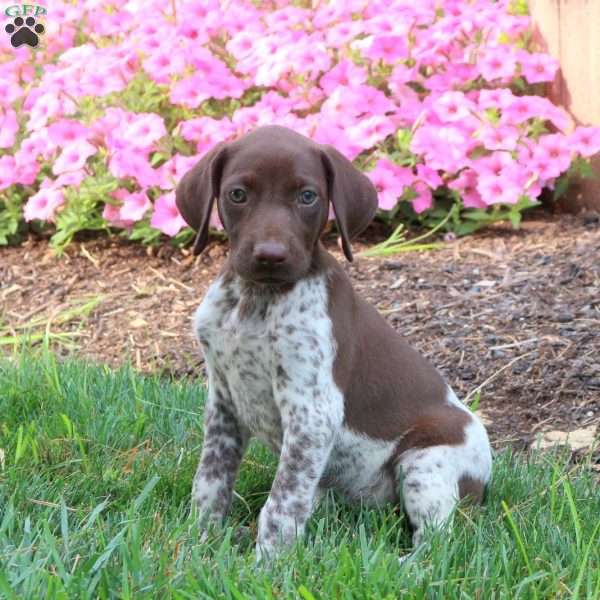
<point>237,195</point>
<point>307,197</point>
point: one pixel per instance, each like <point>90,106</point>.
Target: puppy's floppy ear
<point>197,191</point>
<point>352,194</point>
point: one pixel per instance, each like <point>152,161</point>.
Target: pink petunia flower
<point>312,59</point>
<point>67,131</point>
<point>400,76</point>
<point>26,168</point>
<point>370,100</point>
<point>496,98</point>
<point>493,164</point>
<point>163,64</point>
<point>112,214</point>
<point>9,126</point>
<point>538,67</point>
<point>114,118</point>
<point>497,63</point>
<point>193,31</point>
<point>146,129</point>
<point>9,92</point>
<point>73,157</point>
<point>445,148</point>
<point>429,176</point>
<point>585,141</point>
<point>503,137</point>
<point>46,107</point>
<point>410,105</point>
<point>328,132</point>
<point>36,144</point>
<point>72,179</point>
<point>526,107</point>
<point>498,189</point>
<point>371,130</point>
<point>345,73</point>
<point>390,181</point>
<point>205,132</point>
<point>43,205</point>
<point>7,171</point>
<point>175,168</point>
<point>424,198</point>
<point>241,44</point>
<point>466,184</point>
<point>190,92</point>
<point>389,48</point>
<point>125,163</point>
<point>519,110</point>
<point>552,156</point>
<point>342,33</point>
<point>166,217</point>
<point>452,106</point>
<point>135,205</point>
<point>100,80</point>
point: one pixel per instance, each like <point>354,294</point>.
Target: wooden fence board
<point>570,31</point>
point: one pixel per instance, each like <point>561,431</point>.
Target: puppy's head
<point>273,188</point>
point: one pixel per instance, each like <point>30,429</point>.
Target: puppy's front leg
<point>307,443</point>
<point>224,445</point>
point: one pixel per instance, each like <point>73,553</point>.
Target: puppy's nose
<point>271,253</point>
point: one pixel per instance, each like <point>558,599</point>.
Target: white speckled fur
<point>270,368</point>
<point>430,476</point>
<point>356,468</point>
<point>270,362</point>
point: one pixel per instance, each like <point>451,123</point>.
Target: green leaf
<point>305,593</point>
<point>477,214</point>
<point>404,138</point>
<point>145,492</point>
<point>474,404</point>
<point>466,228</point>
<point>582,168</point>
<point>142,231</point>
<point>157,158</point>
<point>515,218</point>
<point>10,215</point>
<point>492,115</point>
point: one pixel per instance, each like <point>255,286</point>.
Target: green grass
<point>95,474</point>
<point>40,329</point>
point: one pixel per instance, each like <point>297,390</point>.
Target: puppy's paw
<point>209,529</point>
<point>267,549</point>
<point>261,556</point>
<point>275,531</point>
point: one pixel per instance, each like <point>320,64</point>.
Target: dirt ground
<point>514,315</point>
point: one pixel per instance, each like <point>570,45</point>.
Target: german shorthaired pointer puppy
<point>298,360</point>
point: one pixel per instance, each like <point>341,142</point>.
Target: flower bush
<point>433,99</point>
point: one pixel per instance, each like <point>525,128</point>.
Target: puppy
<point>296,359</point>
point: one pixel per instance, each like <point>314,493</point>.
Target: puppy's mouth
<point>274,279</point>
<point>269,280</point>
<point>273,276</point>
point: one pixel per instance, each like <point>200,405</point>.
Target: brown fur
<point>389,388</point>
<point>474,489</point>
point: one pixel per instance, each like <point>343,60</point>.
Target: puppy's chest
<point>265,351</point>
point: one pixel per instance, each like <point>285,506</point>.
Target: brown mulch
<point>514,314</point>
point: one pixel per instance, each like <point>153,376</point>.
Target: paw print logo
<point>24,31</point>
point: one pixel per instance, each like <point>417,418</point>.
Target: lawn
<point>95,473</point>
